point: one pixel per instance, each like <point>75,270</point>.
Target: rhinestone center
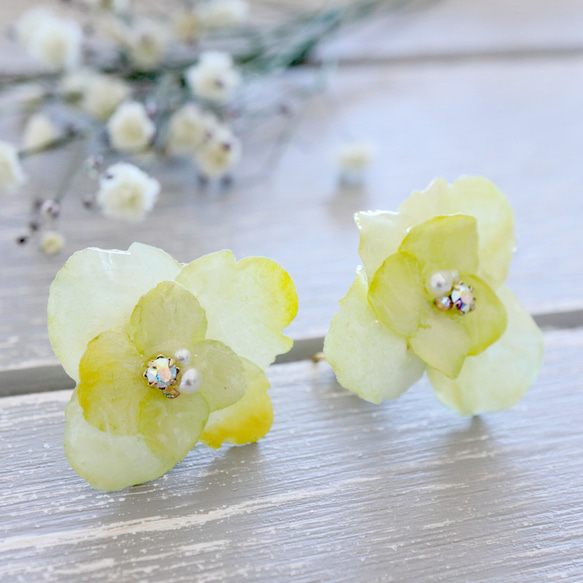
<point>162,374</point>
<point>462,297</point>
<point>459,296</point>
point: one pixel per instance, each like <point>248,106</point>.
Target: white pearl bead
<point>440,283</point>
<point>191,381</point>
<point>183,356</point>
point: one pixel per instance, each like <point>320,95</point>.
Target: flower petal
<point>478,197</point>
<point>107,461</point>
<point>368,358</point>
<point>97,290</point>
<point>446,242</point>
<point>112,386</point>
<point>487,322</point>
<point>397,294</point>
<point>171,427</point>
<point>223,376</point>
<point>167,319</point>
<point>247,420</point>
<point>247,303</point>
<point>441,343</point>
<point>497,378</point>
<point>381,233</point>
<point>445,339</point>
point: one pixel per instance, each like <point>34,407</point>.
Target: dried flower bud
<point>50,208</point>
<point>88,201</point>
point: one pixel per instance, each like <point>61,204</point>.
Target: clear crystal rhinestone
<point>462,297</point>
<point>162,373</point>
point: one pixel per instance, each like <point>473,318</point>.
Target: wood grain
<point>458,29</point>
<point>340,490</point>
<point>451,28</point>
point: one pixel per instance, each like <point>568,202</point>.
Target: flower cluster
<point>430,296</point>
<point>174,80</point>
<point>130,126</point>
<point>164,355</point>
<point>182,114</point>
<point>54,41</point>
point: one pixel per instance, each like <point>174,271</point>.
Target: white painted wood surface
<point>448,28</point>
<point>460,28</point>
<point>340,490</point>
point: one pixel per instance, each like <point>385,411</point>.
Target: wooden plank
<point>458,28</point>
<point>495,119</point>
<point>340,490</point>
<point>445,27</point>
<point>52,377</point>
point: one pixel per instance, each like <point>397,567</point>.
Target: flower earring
<point>164,355</point>
<point>430,296</point>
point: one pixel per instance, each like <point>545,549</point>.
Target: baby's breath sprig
<point>177,81</point>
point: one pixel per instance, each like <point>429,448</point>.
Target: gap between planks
<point>52,377</point>
<point>421,58</point>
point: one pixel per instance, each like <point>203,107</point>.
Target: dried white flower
<point>103,95</point>
<point>113,29</point>
<point>219,153</point>
<point>129,128</point>
<point>126,192</point>
<point>40,131</point>
<point>214,77</point>
<point>55,42</point>
<point>353,159</point>
<point>52,242</point>
<point>29,95</point>
<point>216,14</point>
<point>147,43</point>
<point>75,83</point>
<point>189,128</point>
<point>187,26</point>
<point>29,22</point>
<point>11,174</point>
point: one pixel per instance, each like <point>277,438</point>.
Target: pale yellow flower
<point>114,316</point>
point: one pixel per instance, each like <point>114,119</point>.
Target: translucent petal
<point>247,303</point>
<point>487,322</point>
<point>167,319</point>
<point>368,358</point>
<point>444,242</point>
<point>381,233</point>
<point>497,378</point>
<point>97,290</point>
<point>112,385</point>
<point>478,197</point>
<point>397,294</point>
<point>171,427</point>
<point>223,376</point>
<point>442,343</point>
<point>246,421</point>
<point>107,461</point>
